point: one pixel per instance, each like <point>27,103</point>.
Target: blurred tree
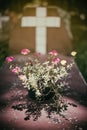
<point>66,4</point>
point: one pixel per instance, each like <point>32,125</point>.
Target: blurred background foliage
<point>78,12</point>
<point>17,5</point>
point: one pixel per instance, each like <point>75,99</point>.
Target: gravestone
<point>7,24</point>
<point>41,30</point>
<point>2,20</point>
<point>20,113</point>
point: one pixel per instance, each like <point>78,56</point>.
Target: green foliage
<point>81,59</point>
<point>79,30</point>
<point>3,51</point>
<point>44,80</point>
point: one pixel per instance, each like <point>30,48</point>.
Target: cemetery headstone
<point>41,30</point>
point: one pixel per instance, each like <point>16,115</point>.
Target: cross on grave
<point>41,22</point>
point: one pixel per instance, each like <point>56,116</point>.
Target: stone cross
<point>41,22</point>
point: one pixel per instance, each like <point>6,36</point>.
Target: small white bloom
<point>38,93</point>
<point>73,53</point>
<point>63,62</point>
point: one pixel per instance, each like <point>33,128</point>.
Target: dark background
<point>17,5</point>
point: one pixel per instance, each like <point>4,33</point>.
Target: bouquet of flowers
<point>46,80</point>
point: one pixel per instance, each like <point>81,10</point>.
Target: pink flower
<point>55,61</point>
<point>54,53</point>
<point>25,51</point>
<point>16,70</point>
<point>22,77</point>
<point>9,59</point>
